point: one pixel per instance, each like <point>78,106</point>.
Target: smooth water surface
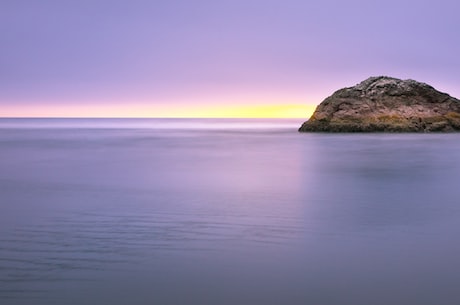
<point>225,212</point>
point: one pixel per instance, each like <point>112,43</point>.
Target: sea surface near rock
<point>386,104</point>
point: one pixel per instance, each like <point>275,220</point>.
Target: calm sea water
<point>233,212</point>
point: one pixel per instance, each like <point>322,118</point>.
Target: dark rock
<point>386,104</point>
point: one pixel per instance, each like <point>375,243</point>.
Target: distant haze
<point>204,58</point>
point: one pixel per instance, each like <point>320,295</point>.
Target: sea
<point>225,212</point>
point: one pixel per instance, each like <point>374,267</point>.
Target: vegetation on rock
<point>386,104</point>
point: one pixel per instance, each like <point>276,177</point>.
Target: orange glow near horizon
<point>162,111</point>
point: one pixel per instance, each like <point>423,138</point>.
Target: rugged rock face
<point>386,104</point>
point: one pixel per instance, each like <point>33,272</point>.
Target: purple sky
<point>243,51</point>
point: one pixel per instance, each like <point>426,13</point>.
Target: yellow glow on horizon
<point>163,111</point>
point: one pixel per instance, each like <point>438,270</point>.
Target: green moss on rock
<point>385,104</point>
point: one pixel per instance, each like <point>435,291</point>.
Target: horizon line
<point>156,118</point>
<point>245,111</point>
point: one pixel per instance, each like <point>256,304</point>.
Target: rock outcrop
<point>386,104</point>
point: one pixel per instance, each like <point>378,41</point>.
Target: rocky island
<point>386,104</point>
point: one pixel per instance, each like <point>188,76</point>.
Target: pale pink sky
<point>100,53</point>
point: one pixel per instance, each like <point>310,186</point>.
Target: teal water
<point>115,211</point>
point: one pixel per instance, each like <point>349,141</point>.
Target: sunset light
<point>230,152</point>
<point>162,111</point>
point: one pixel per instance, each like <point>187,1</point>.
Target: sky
<point>214,58</point>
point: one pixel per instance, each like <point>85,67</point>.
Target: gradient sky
<point>211,57</point>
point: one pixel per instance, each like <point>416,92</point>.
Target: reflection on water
<point>225,212</point>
